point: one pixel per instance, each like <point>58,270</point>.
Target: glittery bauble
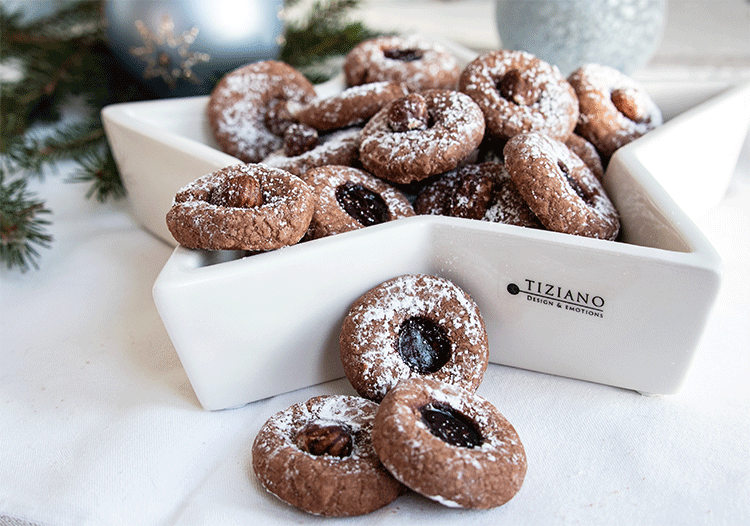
<point>183,47</point>
<point>622,34</point>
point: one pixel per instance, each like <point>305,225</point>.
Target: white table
<point>99,424</point>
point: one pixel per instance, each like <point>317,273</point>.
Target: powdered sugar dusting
<point>238,106</point>
<point>498,437</point>
<point>278,435</point>
<point>509,207</point>
<point>455,476</point>
<point>457,130</point>
<point>375,323</point>
<point>353,106</point>
<point>280,219</point>
<point>328,208</point>
<point>369,62</point>
<point>596,82</point>
<point>338,147</point>
<point>450,195</point>
<point>535,156</point>
<point>555,112</point>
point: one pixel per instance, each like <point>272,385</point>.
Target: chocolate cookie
<point>615,109</point>
<point>415,61</point>
<point>242,207</point>
<point>412,326</point>
<point>248,108</point>
<point>448,444</point>
<point>420,135</point>
<point>353,106</point>
<point>349,199</point>
<point>476,191</point>
<point>588,154</point>
<point>558,186</point>
<point>318,456</point>
<point>518,92</point>
<point>305,149</point>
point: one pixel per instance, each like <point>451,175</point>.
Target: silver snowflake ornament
<point>168,56</point>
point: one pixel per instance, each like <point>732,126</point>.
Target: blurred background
<point>709,37</point>
<point>712,34</point>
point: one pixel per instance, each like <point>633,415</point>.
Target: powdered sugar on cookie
<point>369,340</point>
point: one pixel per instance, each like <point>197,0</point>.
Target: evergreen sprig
<point>33,151</point>
<point>55,59</point>
<point>95,169</point>
<point>325,33</point>
<point>65,56</point>
<point>22,225</point>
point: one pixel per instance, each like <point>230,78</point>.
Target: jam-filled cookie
<point>349,199</point>
<point>250,107</point>
<point>242,207</point>
<point>476,191</point>
<point>422,134</point>
<point>449,444</point>
<point>519,92</point>
<point>615,109</point>
<point>559,187</point>
<point>412,326</point>
<point>318,456</point>
<point>415,61</point>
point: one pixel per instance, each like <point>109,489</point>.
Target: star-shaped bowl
<point>628,313</point>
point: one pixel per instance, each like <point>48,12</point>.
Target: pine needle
<point>98,169</point>
<point>22,230</point>
<point>322,35</point>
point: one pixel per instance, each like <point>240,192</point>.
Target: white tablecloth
<point>99,425</point>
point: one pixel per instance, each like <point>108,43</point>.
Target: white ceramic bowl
<point>628,314</point>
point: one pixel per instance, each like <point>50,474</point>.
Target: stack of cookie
<point>415,350</point>
<point>505,139</point>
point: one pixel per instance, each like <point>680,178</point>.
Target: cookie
<point>615,109</point>
<point>518,93</point>
<point>424,134</point>
<point>242,207</point>
<point>413,325</point>
<point>588,154</point>
<point>305,149</point>
<point>248,108</point>
<point>476,191</point>
<point>349,199</point>
<point>415,61</point>
<point>318,456</point>
<point>449,444</point>
<point>353,106</point>
<point>559,188</point>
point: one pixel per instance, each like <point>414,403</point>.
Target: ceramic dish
<point>628,314</point>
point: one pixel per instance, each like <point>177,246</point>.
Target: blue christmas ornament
<point>183,47</point>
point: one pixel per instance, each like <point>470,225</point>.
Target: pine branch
<point>77,21</point>
<point>54,58</point>
<point>31,153</point>
<point>22,229</point>
<point>98,169</point>
<point>322,35</point>
<point>58,57</point>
